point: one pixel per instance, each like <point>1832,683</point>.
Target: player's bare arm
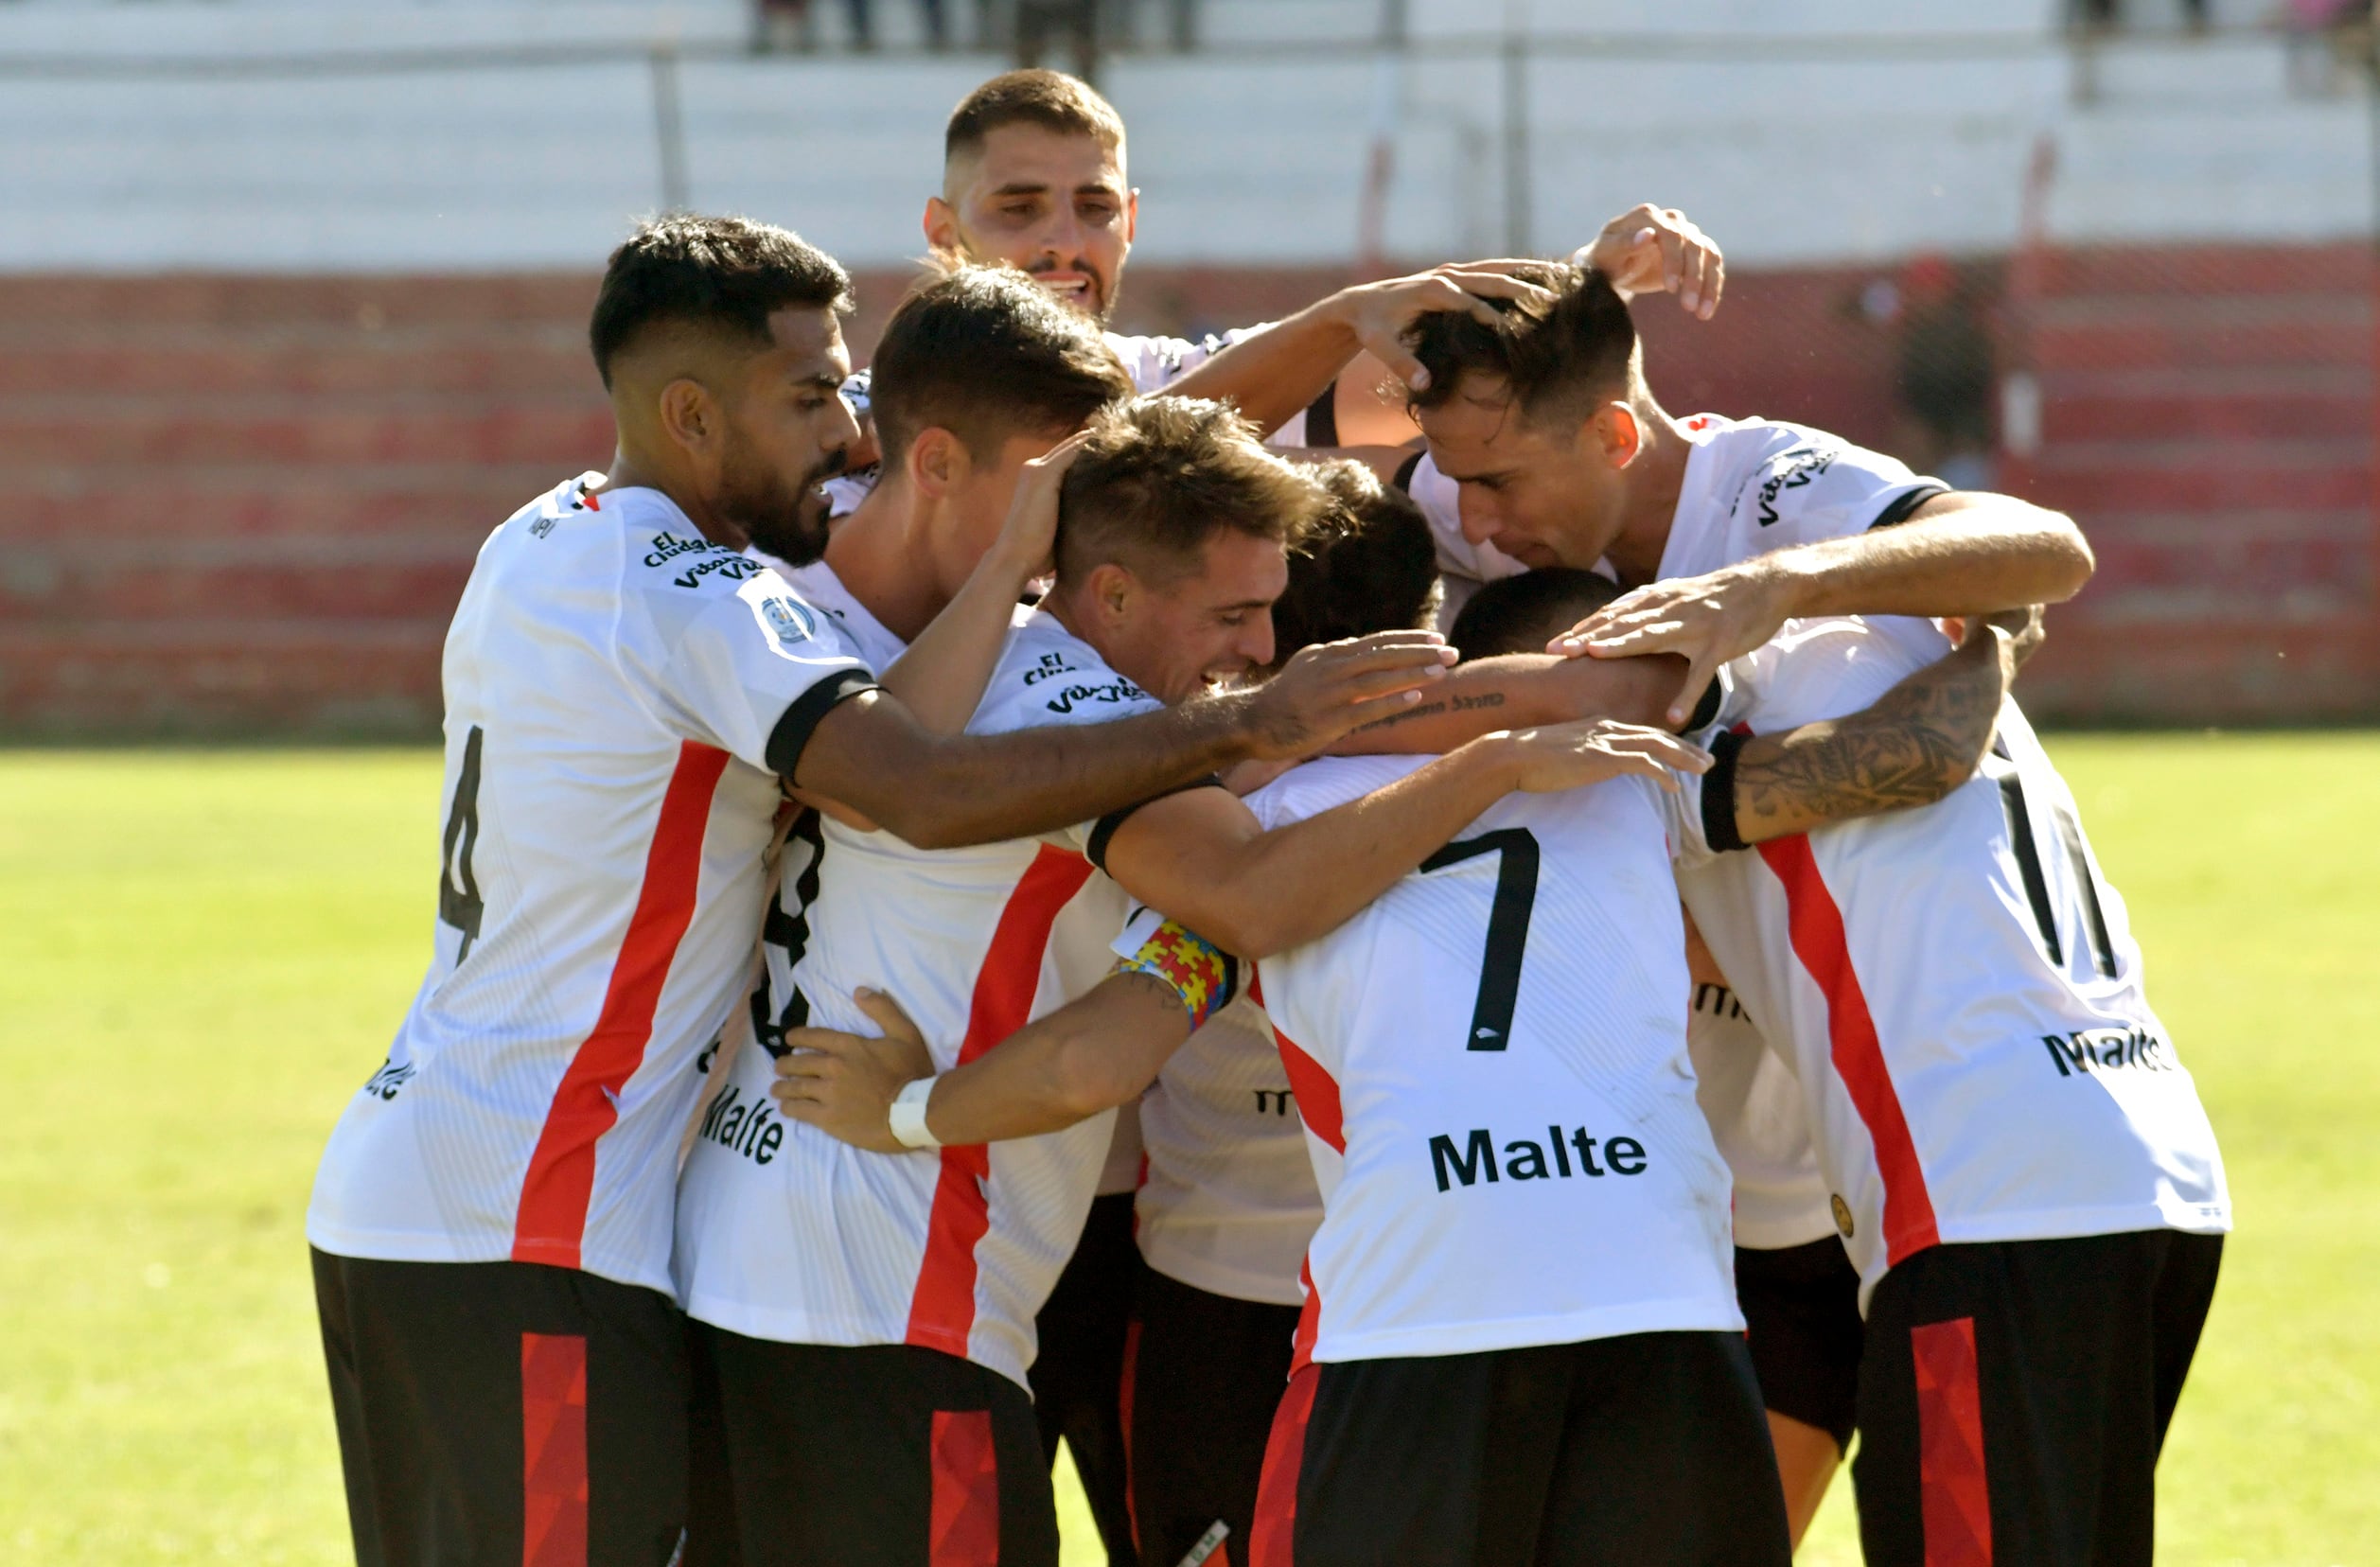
<point>1918,741</point>
<point>1100,1050</point>
<point>1202,858</point>
<point>1517,690</point>
<point>872,754</point>
<point>1961,553</point>
<point>1280,370</point>
<point>1105,1047</point>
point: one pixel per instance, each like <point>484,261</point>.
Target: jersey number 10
<point>1507,926</point>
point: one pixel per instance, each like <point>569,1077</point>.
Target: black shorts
<point>880,1456</point>
<point>504,1413</point>
<point>2016,1394</point>
<point>1644,1451</point>
<point>1205,1378</point>
<point>1078,1372</point>
<point>1801,1310</point>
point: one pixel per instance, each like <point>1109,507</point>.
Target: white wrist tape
<point>908,1117</point>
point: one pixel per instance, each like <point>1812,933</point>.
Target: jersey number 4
<point>459,902</point>
<point>1515,849</point>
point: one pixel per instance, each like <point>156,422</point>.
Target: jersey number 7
<point>1507,926</point>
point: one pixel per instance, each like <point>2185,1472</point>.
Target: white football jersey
<point>613,681</point>
<point>1753,1104</point>
<point>785,1233</point>
<point>1227,1201</point>
<point>1753,485</point>
<point>1957,986</point>
<point>1490,1065</point>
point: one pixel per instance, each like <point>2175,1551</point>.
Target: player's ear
<point>691,416</point>
<point>942,226</point>
<point>1109,591</point>
<point>1616,430</point>
<point>936,462</point>
<point>1132,213</point>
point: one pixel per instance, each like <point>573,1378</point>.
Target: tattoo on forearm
<point>1455,702</point>
<point>1919,742</point>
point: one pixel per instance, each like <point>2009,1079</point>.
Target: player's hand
<point>1332,689</point>
<point>1589,750</point>
<point>1029,535</point>
<point>844,1084</point>
<point>1380,314</point>
<point>1649,248</point>
<point>1709,619</point>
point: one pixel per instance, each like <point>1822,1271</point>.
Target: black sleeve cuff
<point>1322,418</point>
<point>1901,505</point>
<point>792,733</point>
<point>1104,829</point>
<point>1719,794</point>
<point>1706,707</point>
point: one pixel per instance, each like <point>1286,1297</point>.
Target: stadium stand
<point>278,342</point>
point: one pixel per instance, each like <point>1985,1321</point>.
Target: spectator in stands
<point>1947,373</point>
<point>1073,24</point>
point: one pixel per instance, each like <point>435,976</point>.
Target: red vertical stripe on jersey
<point>966,1526</point>
<point>553,1195</point>
<point>1955,1494</point>
<point>942,1309</point>
<point>554,1450</point>
<point>1317,1096</point>
<point>1273,1532</point>
<point>1820,941</point>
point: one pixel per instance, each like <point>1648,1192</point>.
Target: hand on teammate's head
<point>1649,248</point>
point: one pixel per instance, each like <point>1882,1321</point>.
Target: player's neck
<point>630,473</point>
<point>880,554</point>
<point>1656,479</point>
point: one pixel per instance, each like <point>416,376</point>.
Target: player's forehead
<point>806,344</point>
<point>1478,430</point>
<point>1237,571</point>
<point>1022,158</point>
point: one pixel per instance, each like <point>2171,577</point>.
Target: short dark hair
<point>1159,477</point>
<point>727,275</point>
<point>1368,564</point>
<point>1050,99</point>
<point>1560,358</point>
<point>1520,614</point>
<point>986,354</point>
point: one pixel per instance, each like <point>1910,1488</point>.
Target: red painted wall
<point>243,505</point>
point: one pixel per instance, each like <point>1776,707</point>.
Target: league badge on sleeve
<point>789,621</point>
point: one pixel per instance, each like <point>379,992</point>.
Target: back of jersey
<point>614,682</point>
<point>1491,1063</point>
<point>1958,986</point>
<point>784,1232</point>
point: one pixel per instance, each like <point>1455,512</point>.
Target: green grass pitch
<point>202,953</point>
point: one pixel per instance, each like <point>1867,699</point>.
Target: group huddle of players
<point>1095,887</point>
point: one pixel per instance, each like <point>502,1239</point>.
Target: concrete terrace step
<point>223,677</point>
<point>2219,412</point>
<point>2199,270</point>
<point>2092,479</point>
<point>552,364</point>
<point>2207,340</point>
<point>47,300</point>
<point>502,433</point>
<point>72,592</point>
<point>456,501</point>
